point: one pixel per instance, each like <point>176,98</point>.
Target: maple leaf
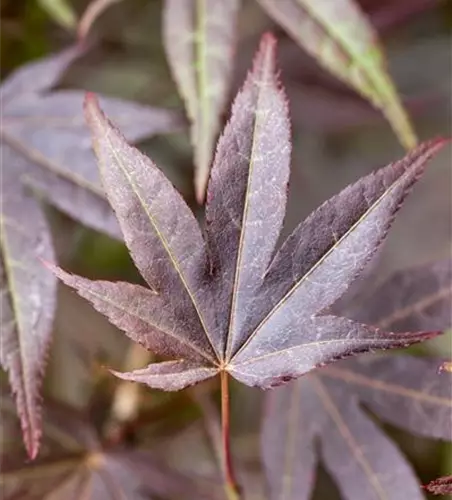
<point>199,41</point>
<point>46,148</point>
<point>325,406</point>
<point>224,303</point>
<point>76,462</point>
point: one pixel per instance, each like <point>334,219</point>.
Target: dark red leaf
<point>224,304</point>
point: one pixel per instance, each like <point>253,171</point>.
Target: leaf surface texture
<point>227,299</point>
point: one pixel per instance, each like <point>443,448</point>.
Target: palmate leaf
<point>199,38</point>
<point>325,406</point>
<point>223,303</point>
<point>46,149</point>
<point>340,38</point>
<point>76,463</point>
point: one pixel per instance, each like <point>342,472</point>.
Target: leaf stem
<point>230,483</point>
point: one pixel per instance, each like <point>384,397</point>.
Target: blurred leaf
<point>339,36</point>
<point>418,298</point>
<point>46,149</point>
<point>61,12</point>
<point>199,37</point>
<point>403,390</point>
<point>364,462</point>
<point>76,463</point>
<point>24,34</point>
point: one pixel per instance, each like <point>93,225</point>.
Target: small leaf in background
<point>338,35</point>
<point>221,304</point>
<point>46,150</point>
<point>78,463</point>
<point>440,486</point>
<point>61,12</point>
<point>326,405</point>
<point>92,12</point>
<point>199,38</point>
<point>416,298</point>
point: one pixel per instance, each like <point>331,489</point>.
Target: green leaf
<point>338,35</point>
<point>61,12</point>
<point>199,41</point>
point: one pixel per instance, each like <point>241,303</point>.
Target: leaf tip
<point>32,441</point>
<point>121,375</point>
<point>439,486</point>
<point>94,116</point>
<point>268,41</point>
<point>422,336</point>
<point>201,188</point>
<point>47,263</point>
<point>440,141</point>
<point>91,101</point>
<point>30,421</point>
<point>266,53</point>
<point>418,157</point>
<point>58,272</point>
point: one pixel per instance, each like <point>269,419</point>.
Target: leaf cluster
<point>225,295</point>
<point>46,155</point>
